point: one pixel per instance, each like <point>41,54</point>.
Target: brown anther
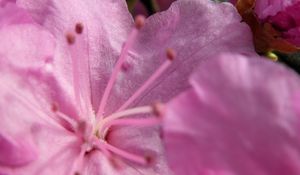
<point>171,54</point>
<point>139,21</point>
<point>149,159</point>
<point>79,28</point>
<point>125,66</point>
<point>70,38</point>
<point>158,109</point>
<point>77,173</point>
<point>54,107</point>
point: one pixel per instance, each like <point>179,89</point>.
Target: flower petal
<point>237,119</point>
<point>143,142</point>
<point>15,152</point>
<point>106,25</point>
<point>195,31</point>
<point>21,50</point>
<point>4,2</point>
<point>27,127</point>
<point>11,14</point>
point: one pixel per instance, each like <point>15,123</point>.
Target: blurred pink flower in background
<point>78,78</point>
<point>238,120</point>
<point>283,15</point>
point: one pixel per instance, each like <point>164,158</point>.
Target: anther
<point>158,109</point>
<point>272,56</point>
<point>126,66</point>
<point>171,54</point>
<point>149,159</point>
<point>54,107</point>
<point>77,173</point>
<point>139,21</point>
<point>79,28</point>
<point>70,38</point>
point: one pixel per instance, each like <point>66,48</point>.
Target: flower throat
<point>94,134</point>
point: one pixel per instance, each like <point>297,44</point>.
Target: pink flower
<point>239,119</point>
<point>74,101</point>
<point>284,16</point>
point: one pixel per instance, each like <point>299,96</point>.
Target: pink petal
<point>188,28</point>
<point>27,127</point>
<point>11,14</point>
<point>106,25</point>
<point>296,102</point>
<point>21,45</point>
<point>96,163</point>
<point>15,152</point>
<point>237,119</point>
<point>143,142</point>
<point>4,2</point>
<point>22,51</point>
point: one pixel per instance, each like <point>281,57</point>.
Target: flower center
<point>94,132</point>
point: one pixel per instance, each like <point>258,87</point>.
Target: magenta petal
<point>188,28</point>
<point>4,2</point>
<point>11,14</point>
<point>238,119</point>
<point>15,152</point>
<point>265,8</point>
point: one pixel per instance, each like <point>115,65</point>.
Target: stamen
<point>171,55</point>
<point>61,117</point>
<point>138,122</point>
<point>71,41</point>
<point>101,147</point>
<point>80,72</point>
<point>117,115</point>
<point>66,118</point>
<point>128,44</point>
<point>124,154</point>
<point>157,109</point>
